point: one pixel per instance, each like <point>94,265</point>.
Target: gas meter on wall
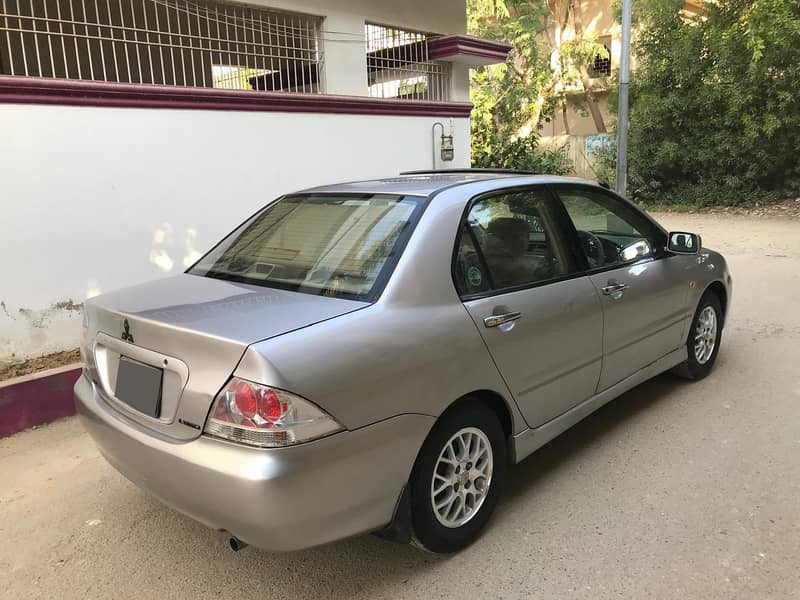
<point>446,148</point>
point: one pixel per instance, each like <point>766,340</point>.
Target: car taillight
<point>259,415</point>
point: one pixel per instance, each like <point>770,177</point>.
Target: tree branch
<point>588,92</point>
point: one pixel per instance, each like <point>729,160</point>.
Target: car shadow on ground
<point>571,444</point>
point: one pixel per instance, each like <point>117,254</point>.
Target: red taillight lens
<point>251,405</point>
<point>244,397</point>
<point>255,403</point>
<point>259,415</point>
<point>270,407</point>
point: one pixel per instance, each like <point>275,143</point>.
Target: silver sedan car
<point>370,356</point>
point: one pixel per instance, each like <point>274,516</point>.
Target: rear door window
<point>511,240</point>
<point>471,274</point>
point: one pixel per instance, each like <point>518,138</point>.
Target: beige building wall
<point>576,131</point>
<point>578,121</point>
<point>597,17</point>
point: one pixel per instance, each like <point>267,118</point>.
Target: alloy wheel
<point>461,477</point>
<point>705,335</point>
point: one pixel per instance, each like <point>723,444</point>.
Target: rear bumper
<point>276,499</point>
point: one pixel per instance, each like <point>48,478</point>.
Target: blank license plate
<point>139,386</point>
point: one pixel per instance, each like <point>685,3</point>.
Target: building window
<point>398,65</point>
<point>602,62</point>
<point>169,42</point>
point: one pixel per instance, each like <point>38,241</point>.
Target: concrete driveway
<point>675,490</point>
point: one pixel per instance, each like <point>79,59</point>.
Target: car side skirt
<point>525,443</point>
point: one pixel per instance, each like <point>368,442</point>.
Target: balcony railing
<point>399,65</point>
<point>192,43</point>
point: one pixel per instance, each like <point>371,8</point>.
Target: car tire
<point>463,463</point>
<point>703,341</point>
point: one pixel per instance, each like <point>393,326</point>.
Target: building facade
<point>576,129</point>
<point>135,134</point>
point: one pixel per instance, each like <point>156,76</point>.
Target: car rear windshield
<point>333,245</point>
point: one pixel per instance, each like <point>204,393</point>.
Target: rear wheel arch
<point>400,529</point>
<point>491,399</point>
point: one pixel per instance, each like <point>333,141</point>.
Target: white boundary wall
<point>95,199</point>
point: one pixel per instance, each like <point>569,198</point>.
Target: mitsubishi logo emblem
<point>127,336</point>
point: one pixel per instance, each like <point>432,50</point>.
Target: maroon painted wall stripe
<point>36,399</point>
<point>34,90</point>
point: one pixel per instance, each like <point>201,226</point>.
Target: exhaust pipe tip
<point>236,544</point>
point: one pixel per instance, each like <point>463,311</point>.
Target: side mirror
<point>682,242</point>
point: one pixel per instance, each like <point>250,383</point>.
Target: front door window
<point>609,232</point>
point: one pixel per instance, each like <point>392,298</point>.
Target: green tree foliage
<point>715,107</point>
<point>550,57</point>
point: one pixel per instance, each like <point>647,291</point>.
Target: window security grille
<point>172,42</point>
<point>398,65</point>
<point>602,64</point>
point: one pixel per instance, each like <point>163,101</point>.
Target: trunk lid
<point>196,330</point>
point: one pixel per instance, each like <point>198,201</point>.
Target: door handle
<point>496,320</point>
<point>613,288</point>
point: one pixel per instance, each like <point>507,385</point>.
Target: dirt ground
<point>788,209</point>
<point>674,490</point>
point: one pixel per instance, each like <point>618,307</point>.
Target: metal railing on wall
<point>168,42</point>
<point>398,65</point>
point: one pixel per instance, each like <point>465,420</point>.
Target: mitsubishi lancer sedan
<point>371,356</point>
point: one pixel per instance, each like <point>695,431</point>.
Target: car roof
<point>426,183</point>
